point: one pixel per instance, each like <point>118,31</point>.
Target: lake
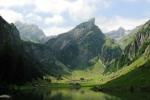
<point>73,94</point>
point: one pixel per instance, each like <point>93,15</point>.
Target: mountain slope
<point>131,70</point>
<point>45,56</point>
<point>134,77</point>
<point>139,46</point>
<point>22,61</point>
<point>16,66</point>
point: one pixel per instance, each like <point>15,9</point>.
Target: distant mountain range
<point>118,34</point>
<point>31,32</point>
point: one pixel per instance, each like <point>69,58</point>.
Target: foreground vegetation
<point>134,77</point>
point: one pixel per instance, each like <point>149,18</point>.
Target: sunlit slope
<point>91,75</point>
<point>134,76</point>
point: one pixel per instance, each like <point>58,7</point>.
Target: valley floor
<point>134,77</point>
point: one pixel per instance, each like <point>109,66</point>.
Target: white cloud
<point>32,18</point>
<point>10,15</point>
<point>85,9</point>
<point>80,10</point>
<point>55,20</point>
<point>108,24</point>
<point>51,6</point>
<point>56,30</point>
<point>76,10</point>
<point>137,1</point>
<point>10,3</point>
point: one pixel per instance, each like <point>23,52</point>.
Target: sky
<point>59,16</point>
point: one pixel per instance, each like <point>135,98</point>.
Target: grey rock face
<point>31,32</point>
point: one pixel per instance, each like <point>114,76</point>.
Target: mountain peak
<point>92,20</point>
<point>121,28</point>
<point>88,24</point>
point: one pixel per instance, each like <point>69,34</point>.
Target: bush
<point>81,78</point>
<point>59,77</point>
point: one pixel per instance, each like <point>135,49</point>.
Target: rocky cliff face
<point>139,46</point>
<point>140,43</point>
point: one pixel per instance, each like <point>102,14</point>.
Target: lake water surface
<point>72,94</point>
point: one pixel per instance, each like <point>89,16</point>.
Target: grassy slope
<point>90,76</point>
<point>110,43</point>
<point>93,75</point>
<point>135,75</point>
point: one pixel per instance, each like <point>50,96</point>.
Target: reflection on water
<point>70,94</point>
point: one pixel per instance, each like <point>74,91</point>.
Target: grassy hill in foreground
<point>134,77</point>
